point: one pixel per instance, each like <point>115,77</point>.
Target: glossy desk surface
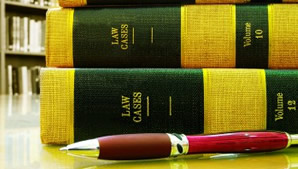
<point>20,148</point>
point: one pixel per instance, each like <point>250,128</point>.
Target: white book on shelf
<point>18,33</point>
<point>14,33</point>
<point>41,2</point>
<point>29,81</point>
<point>39,35</point>
<point>43,35</point>
<point>32,38</point>
<point>21,34</point>
<point>23,80</point>
<point>26,34</point>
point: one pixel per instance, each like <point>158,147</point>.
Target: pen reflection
<point>284,159</point>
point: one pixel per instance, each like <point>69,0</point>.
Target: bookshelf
<point>25,56</point>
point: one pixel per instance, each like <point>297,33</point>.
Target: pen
<point>160,145</point>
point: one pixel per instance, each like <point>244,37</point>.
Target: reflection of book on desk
<point>79,104</point>
<point>23,147</point>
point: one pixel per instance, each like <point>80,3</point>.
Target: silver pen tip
<point>63,149</point>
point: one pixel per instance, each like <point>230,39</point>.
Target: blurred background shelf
<point>11,5</point>
<point>22,35</point>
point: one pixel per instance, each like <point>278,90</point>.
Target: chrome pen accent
<point>87,148</point>
<point>293,139</point>
<point>179,144</point>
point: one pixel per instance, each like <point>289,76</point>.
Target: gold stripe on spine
<point>57,106</point>
<point>234,100</point>
<point>221,1</point>
<point>208,36</point>
<point>72,3</point>
<point>59,41</point>
<point>283,36</point>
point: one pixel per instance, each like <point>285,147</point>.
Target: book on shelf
<point>15,81</point>
<point>9,80</point>
<point>25,34</point>
<point>79,3</point>
<point>79,104</point>
<point>35,79</point>
<point>23,80</point>
<point>189,36</point>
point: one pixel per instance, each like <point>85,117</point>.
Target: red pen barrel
<point>134,146</point>
<point>238,142</point>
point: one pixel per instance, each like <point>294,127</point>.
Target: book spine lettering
<point>251,36</point>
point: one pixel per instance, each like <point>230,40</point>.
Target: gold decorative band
<point>283,36</point>
<point>208,36</point>
<point>72,3</point>
<point>59,41</point>
<point>221,1</point>
<point>57,106</point>
<point>234,100</point>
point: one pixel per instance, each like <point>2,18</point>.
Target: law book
<point>80,3</point>
<point>79,104</point>
<point>190,36</point>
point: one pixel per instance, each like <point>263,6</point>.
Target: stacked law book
<point>132,69</point>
